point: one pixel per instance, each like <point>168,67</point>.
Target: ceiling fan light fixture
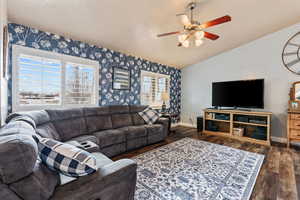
<point>185,20</point>
<point>199,35</point>
<point>186,44</point>
<point>198,42</point>
<point>182,38</point>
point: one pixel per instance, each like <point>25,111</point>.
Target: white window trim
<point>17,50</point>
<point>156,75</point>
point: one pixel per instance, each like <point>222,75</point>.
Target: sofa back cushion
<point>18,151</point>
<point>42,122</point>
<point>48,130</point>
<point>136,118</point>
<point>120,116</point>
<point>69,123</point>
<point>98,119</point>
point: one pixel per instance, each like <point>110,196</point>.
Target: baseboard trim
<point>273,138</point>
<point>186,125</point>
<point>279,139</point>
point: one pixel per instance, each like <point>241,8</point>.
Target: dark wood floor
<point>279,177</point>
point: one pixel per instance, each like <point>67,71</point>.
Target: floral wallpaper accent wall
<point>30,37</point>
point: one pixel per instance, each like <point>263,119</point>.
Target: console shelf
<point>255,126</point>
<point>250,124</point>
<point>219,120</point>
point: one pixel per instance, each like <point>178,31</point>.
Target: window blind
<point>153,85</point>
<point>79,84</point>
<point>39,81</point>
<point>45,80</point>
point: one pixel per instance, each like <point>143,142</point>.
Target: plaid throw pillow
<point>65,158</point>
<point>149,115</point>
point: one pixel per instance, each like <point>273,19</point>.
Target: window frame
<point>156,76</point>
<point>17,50</point>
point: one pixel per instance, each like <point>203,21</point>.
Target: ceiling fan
<point>195,29</point>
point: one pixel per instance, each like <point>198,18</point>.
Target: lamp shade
<point>165,96</point>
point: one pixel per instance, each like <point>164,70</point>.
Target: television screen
<point>244,94</point>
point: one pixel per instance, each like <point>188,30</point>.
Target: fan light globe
<point>185,20</point>
<point>186,44</point>
<point>198,42</point>
<point>181,38</point>
<point>199,35</point>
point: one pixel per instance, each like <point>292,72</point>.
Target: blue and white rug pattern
<point>191,169</point>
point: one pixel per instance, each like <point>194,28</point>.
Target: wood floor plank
<point>266,186</point>
<point>287,183</point>
<point>296,160</point>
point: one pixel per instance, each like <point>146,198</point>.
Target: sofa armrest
<point>114,181</point>
<point>165,122</point>
<point>117,169</point>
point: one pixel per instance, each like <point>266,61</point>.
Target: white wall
<point>258,59</point>
<point>3,82</point>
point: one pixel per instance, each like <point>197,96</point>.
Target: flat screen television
<point>243,94</point>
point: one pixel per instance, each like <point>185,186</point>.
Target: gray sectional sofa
<point>111,129</point>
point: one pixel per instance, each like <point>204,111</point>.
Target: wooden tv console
<point>255,125</point>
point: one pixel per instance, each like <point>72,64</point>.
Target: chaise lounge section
<point>111,129</point>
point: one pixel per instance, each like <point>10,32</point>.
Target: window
<point>43,79</point>
<point>154,87</point>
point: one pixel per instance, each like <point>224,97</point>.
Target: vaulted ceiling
<point>131,26</point>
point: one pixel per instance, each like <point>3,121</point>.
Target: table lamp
<point>165,97</point>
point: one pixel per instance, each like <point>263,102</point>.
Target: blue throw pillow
<point>65,158</point>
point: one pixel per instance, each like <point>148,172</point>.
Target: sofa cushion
<point>18,155</point>
<point>154,129</point>
<point>110,137</point>
<point>98,123</point>
<point>97,111</point>
<point>118,109</point>
<point>149,115</point>
<point>136,131</point>
<point>69,123</point>
<point>65,158</point>
<point>48,131</point>
<point>39,185</point>
<point>121,120</point>
<point>137,119</point>
<point>39,117</point>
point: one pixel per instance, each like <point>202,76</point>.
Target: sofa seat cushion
<point>154,129</point>
<point>110,137</point>
<point>135,131</point>
<point>101,161</point>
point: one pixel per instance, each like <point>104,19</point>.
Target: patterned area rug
<point>191,169</point>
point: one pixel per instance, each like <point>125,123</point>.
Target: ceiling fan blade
<point>211,36</point>
<point>184,19</point>
<point>166,34</point>
<point>217,21</point>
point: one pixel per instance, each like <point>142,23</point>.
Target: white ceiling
<point>130,26</point>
